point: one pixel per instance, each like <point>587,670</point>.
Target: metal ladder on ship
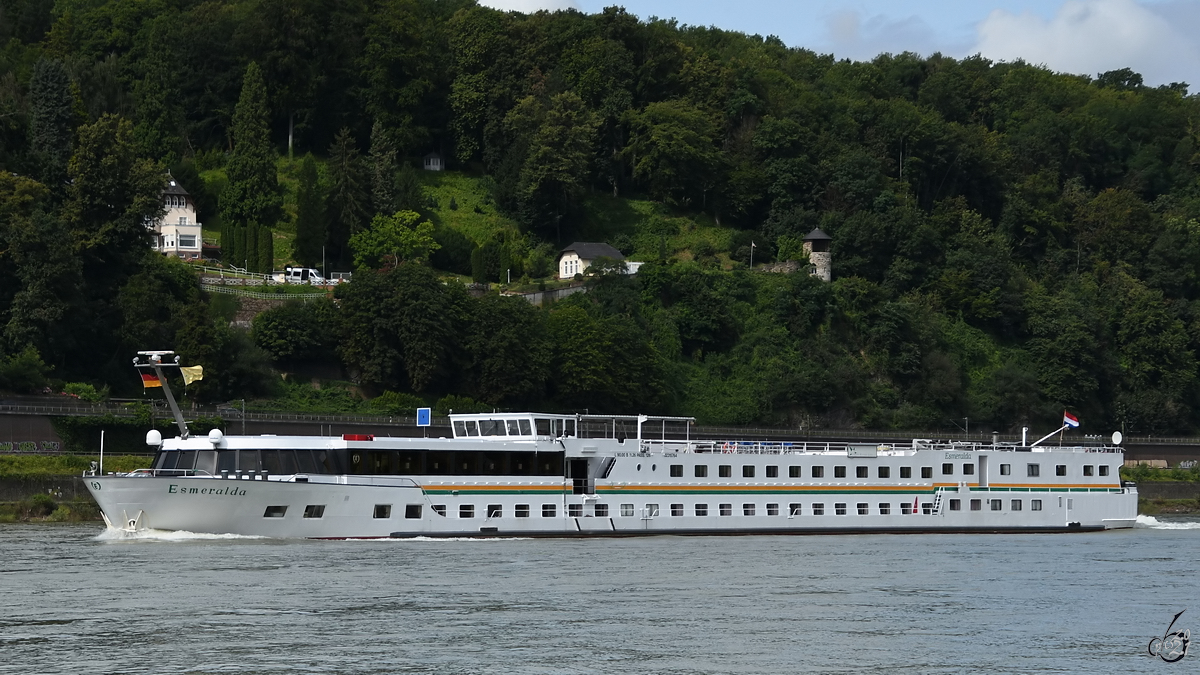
<point>937,501</point>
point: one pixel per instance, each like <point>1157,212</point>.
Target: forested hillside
<point>1007,241</point>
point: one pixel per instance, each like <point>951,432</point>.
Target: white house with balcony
<point>178,231</point>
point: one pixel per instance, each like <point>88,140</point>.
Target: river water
<point>77,599</point>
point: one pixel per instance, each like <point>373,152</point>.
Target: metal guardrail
<point>233,290</point>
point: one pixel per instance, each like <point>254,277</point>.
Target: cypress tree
<point>50,121</point>
<point>310,215</point>
<point>252,195</point>
<point>251,251</point>
<point>266,250</point>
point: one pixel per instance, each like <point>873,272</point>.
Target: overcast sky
<point>1158,38</point>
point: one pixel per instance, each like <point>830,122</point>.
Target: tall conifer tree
<point>310,215</point>
<point>349,201</point>
<point>382,158</point>
<point>252,196</point>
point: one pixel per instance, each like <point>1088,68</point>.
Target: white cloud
<point>529,6</point>
<point>1093,36</point>
<point>848,35</point>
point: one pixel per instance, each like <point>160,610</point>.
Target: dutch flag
<point>1070,420</point>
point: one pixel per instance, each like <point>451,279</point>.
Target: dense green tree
<point>297,332</point>
<point>672,149</point>
<point>310,215</point>
<point>400,237</point>
<point>51,120</point>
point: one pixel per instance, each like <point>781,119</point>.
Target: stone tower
<point>816,245</point>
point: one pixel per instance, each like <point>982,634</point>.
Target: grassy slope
<point>650,226</point>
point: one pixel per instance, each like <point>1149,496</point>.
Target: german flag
<point>150,380</point>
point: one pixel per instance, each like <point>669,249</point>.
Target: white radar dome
<point>215,436</point>
<point>154,438</point>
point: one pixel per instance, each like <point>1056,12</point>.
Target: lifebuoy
<point>727,448</point>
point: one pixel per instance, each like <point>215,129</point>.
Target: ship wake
<point>1154,523</point>
<point>118,534</point>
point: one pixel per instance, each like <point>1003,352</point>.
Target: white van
<point>300,275</point>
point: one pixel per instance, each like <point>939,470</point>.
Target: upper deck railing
<point>832,448</point>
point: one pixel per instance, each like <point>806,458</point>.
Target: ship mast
<point>154,361</point>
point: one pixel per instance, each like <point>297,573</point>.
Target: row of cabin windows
<point>363,462</point>
<point>948,469</point>
<point>413,511</point>
<point>996,504</point>
<point>545,427</point>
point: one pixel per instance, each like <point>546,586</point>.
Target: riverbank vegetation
<point>1007,242</point>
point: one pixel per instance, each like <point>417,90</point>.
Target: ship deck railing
<point>834,448</point>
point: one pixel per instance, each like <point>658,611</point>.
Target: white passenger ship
<point>530,474</point>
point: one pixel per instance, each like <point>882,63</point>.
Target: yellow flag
<point>191,374</point>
